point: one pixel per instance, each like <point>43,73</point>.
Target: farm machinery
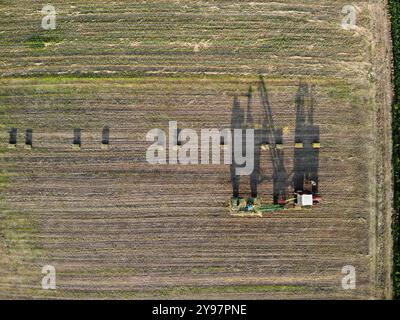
<point>301,199</point>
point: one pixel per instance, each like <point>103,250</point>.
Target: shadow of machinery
<point>306,153</point>
<point>265,134</point>
<point>307,137</point>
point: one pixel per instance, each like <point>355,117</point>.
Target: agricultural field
<point>115,226</point>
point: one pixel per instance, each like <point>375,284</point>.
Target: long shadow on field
<point>237,122</point>
<point>306,159</point>
<point>274,137</point>
<point>255,175</point>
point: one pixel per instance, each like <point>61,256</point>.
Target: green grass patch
<point>166,293</point>
<point>3,180</point>
<point>43,38</point>
<point>184,291</point>
<point>340,92</point>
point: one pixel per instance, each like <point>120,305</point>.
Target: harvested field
<point>115,226</point>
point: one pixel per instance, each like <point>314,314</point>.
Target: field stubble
<point>115,226</point>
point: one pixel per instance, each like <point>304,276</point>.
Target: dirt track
<point>384,99</point>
